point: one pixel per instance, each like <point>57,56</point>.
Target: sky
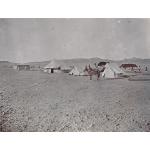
<point>29,40</point>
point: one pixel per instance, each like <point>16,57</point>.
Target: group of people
<point>146,68</point>
<point>94,71</point>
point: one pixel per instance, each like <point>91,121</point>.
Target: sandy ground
<point>36,101</point>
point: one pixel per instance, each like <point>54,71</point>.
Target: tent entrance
<point>52,70</point>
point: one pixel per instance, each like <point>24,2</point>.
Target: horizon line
<point>74,58</point>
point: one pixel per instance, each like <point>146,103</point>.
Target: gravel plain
<point>34,101</point>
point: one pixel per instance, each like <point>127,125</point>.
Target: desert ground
<point>37,101</point>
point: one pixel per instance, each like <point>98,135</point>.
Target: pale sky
<point>28,40</point>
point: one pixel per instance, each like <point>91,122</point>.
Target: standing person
<point>139,68</point>
<point>90,72</point>
<point>146,69</point>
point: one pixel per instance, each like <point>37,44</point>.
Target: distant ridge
<point>134,59</point>
<point>74,61</point>
<point>71,62</point>
<point>82,61</point>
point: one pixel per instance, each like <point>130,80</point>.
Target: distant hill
<point>136,60</point>
<point>92,61</point>
<point>37,64</point>
<point>70,62</point>
<point>82,62</point>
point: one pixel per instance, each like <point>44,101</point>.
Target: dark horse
<point>93,71</point>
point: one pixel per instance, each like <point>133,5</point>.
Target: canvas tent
<point>74,71</point>
<point>52,67</point>
<point>53,64</point>
<point>57,66</point>
<point>78,71</point>
<point>113,71</point>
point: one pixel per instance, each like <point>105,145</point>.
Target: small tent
<point>52,67</point>
<point>78,71</point>
<point>74,71</point>
<point>53,64</point>
<point>113,71</point>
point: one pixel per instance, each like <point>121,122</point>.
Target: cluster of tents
<point>107,69</point>
<point>111,70</point>
<point>56,66</point>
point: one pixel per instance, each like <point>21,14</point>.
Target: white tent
<point>52,65</point>
<point>78,71</point>
<point>112,71</point>
<point>74,71</point>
